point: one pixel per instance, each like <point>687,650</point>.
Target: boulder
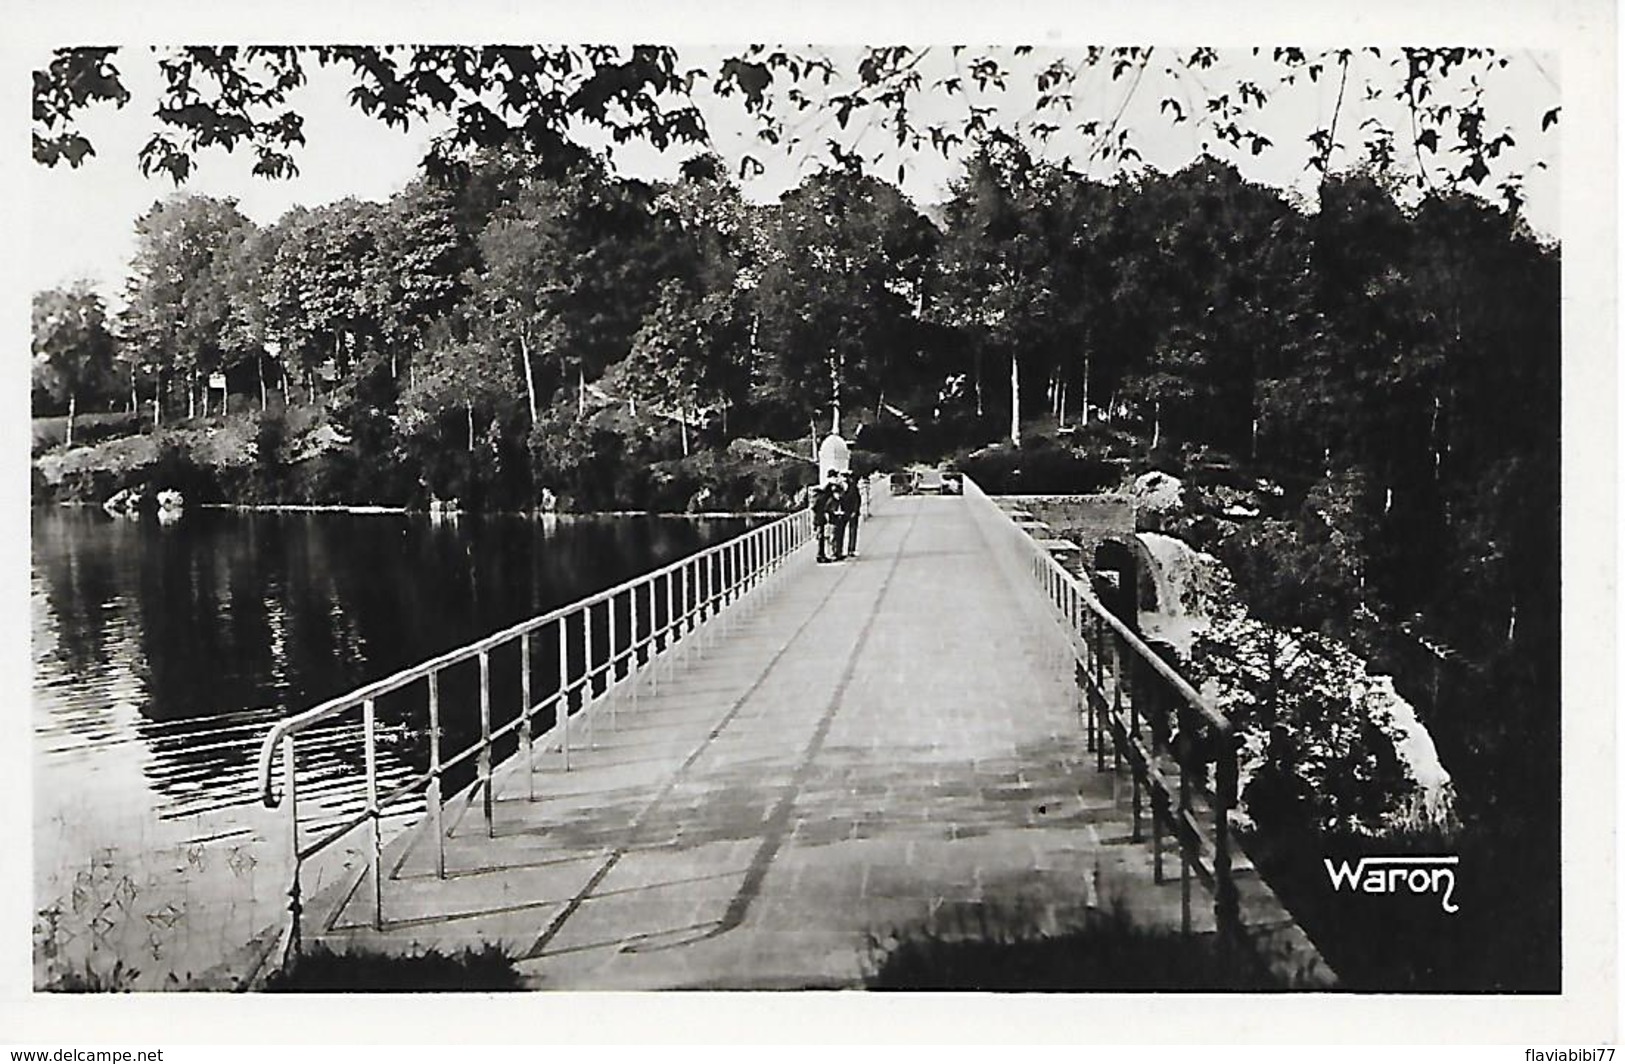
<point>1159,500</point>
<point>124,502</point>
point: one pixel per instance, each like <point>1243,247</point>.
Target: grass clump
<point>322,970</point>
<point>1109,952</point>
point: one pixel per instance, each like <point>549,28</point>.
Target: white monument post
<point>833,453</point>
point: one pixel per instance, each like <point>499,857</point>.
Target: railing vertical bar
<point>633,665</point>
<point>658,636</point>
<point>290,795</point>
<point>485,742</point>
<point>1183,749</point>
<point>524,724</point>
<point>612,682</point>
<point>688,616</point>
<point>1100,687</point>
<point>1226,906</point>
<point>375,852</point>
<point>561,705</point>
<point>587,676</point>
<point>1119,726</point>
<point>436,788</point>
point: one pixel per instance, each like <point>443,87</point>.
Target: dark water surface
<point>162,655</point>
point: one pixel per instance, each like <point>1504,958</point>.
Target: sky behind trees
<point>81,221</point>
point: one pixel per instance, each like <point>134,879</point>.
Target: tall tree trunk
<point>530,379</point>
<point>977,368</point>
<point>1061,421</point>
<point>835,395</point>
<point>682,420</point>
<point>264,399</point>
<point>191,394</point>
<point>73,403</point>
<point>581,392</point>
<point>135,402</point>
<point>470,428</point>
<point>1083,419</point>
<point>1015,399</point>
<point>1156,424</point>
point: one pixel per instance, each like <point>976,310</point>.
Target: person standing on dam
<point>851,504</point>
<point>826,503</point>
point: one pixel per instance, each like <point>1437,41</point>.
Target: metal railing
<point>638,624</point>
<point>1181,752</point>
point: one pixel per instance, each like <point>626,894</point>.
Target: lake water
<point>162,655</point>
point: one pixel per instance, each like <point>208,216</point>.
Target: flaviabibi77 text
<point>1582,1056</point>
<point>1398,875</point>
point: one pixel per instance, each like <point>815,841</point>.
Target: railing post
<point>708,580</point>
<point>524,722</point>
<point>485,740</point>
<point>375,852</point>
<point>1151,693</point>
<point>561,705</point>
<point>612,625</point>
<point>703,607</point>
<point>688,617</point>
<point>632,664</point>
<point>290,795</point>
<point>1156,801</point>
<point>612,681</point>
<point>436,793</point>
<point>1100,686</point>
<point>1225,904</point>
<point>1133,737</point>
<point>1183,750</point>
<point>587,676</point>
<point>657,632</point>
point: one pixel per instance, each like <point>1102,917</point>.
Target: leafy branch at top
<point>861,110</point>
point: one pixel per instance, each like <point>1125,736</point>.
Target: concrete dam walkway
<point>866,750</point>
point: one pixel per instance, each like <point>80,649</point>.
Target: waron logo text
<point>1397,875</point>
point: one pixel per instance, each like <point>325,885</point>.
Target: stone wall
<point>1084,519</point>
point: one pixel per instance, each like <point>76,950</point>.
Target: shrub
<point>321,970</point>
<point>1109,953</point>
<point>269,460</point>
<point>1038,468</point>
<point>176,468</point>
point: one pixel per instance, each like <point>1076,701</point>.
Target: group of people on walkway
<point>836,505</point>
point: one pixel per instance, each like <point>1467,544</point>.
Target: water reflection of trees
<point>241,619</point>
<point>79,557</point>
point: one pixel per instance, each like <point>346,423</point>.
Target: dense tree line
<point>519,328</point>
